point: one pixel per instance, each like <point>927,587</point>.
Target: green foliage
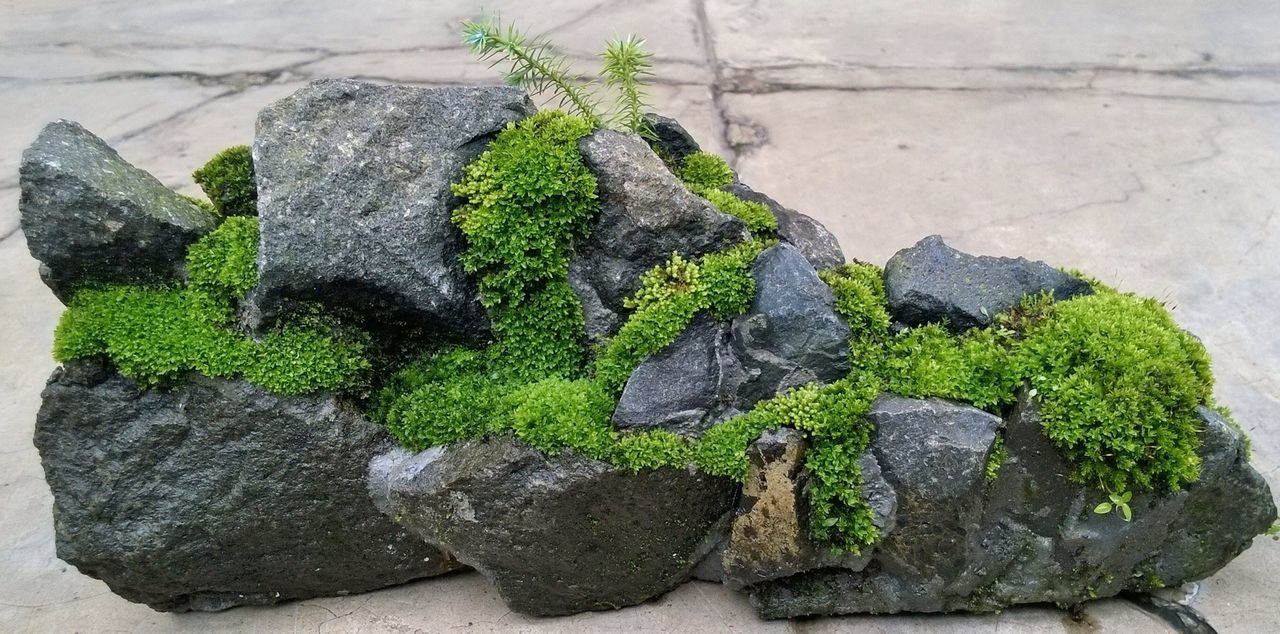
<point>1118,502</point>
<point>227,179</point>
<point>201,203</point>
<point>999,453</point>
<point>296,359</point>
<point>224,261</point>
<point>705,171</point>
<point>758,218</point>
<point>627,66</point>
<point>1119,382</point>
<point>974,367</point>
<point>557,414</point>
<point>542,335</point>
<point>535,64</point>
<point>652,450</point>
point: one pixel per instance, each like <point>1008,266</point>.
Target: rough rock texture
<point>1030,536</point>
<point>354,200</point>
<point>770,536</point>
<point>791,335</point>
<point>685,387</point>
<point>217,494</point>
<point>815,242</point>
<point>674,142</point>
<point>90,217</point>
<point>559,534</point>
<point>646,214</point>
<point>932,282</point>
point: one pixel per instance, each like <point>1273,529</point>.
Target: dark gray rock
<point>770,535</point>
<point>354,200</point>
<point>1031,536</point>
<point>92,218</point>
<point>646,214</point>
<point>931,282</point>
<point>559,534</point>
<point>791,335</point>
<point>685,387</point>
<point>673,142</point>
<point>217,494</point>
<point>815,242</point>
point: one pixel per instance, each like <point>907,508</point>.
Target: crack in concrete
<point>11,232</point>
<point>712,60</point>
<point>1125,196</point>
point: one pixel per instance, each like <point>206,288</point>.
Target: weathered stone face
<point>818,245</point>
<point>558,534</point>
<point>646,214</point>
<point>791,335</point>
<point>217,494</point>
<point>92,218</point>
<point>672,139</point>
<point>355,205</point>
<point>931,282</point>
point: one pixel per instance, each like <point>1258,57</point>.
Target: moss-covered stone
<point>227,179</point>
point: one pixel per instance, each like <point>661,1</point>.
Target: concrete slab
<point>1139,142</point>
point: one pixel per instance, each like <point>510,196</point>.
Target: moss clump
<point>758,218</point>
<point>227,179</point>
<point>999,453</point>
<point>1118,383</point>
<point>155,335</point>
<point>705,170</point>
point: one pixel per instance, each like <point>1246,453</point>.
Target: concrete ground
<point>1139,141</point>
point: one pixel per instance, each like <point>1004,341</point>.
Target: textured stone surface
<point>770,535</point>
<point>91,218</point>
<point>791,335</point>
<point>813,240</point>
<point>931,282</point>
<point>673,140</point>
<point>354,200</point>
<point>217,494</point>
<point>684,387</point>
<point>1031,536</point>
<point>646,214</point>
<point>559,534</point>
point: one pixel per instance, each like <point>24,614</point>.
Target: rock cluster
<point>215,493</point>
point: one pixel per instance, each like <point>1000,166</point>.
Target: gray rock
<point>217,494</point>
<point>354,199</point>
<point>770,535</point>
<point>559,534</point>
<point>931,282</point>
<point>674,143</point>
<point>92,218</point>
<point>791,335</point>
<point>646,214</point>
<point>685,387</point>
<point>1031,536</point>
<point>815,242</point>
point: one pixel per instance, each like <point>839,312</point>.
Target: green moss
<point>1118,383</point>
<point>201,203</point>
<point>705,170</point>
<point>227,179</point>
<point>652,450</point>
<point>758,218</point>
<point>224,261</point>
<point>557,414</point>
<point>999,453</point>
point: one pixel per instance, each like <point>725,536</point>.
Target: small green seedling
<point>1119,502</point>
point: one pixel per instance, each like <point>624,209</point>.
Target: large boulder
<point>932,282</point>
<point>1030,536</point>
<point>355,205</point>
<point>686,387</point>
<point>217,493</point>
<point>646,214</point>
<point>92,218</point>
<point>791,335</point>
<point>558,534</point>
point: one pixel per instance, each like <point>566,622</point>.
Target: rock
<point>354,199</point>
<point>92,218</point>
<point>646,214</point>
<point>674,143</point>
<point>559,534</point>
<point>931,282</point>
<point>1031,536</point>
<point>813,240</point>
<point>685,387</point>
<point>770,536</point>
<point>791,335</point>
<point>217,493</point>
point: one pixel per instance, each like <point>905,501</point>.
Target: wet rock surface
<point>354,200</point>
<point>932,282</point>
<point>559,534</point>
<point>92,218</point>
<point>217,493</point>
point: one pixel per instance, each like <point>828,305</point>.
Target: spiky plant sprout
<point>627,67</point>
<point>535,64</point>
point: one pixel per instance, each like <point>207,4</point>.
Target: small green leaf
<point>1124,510</point>
<point>1102,509</point>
